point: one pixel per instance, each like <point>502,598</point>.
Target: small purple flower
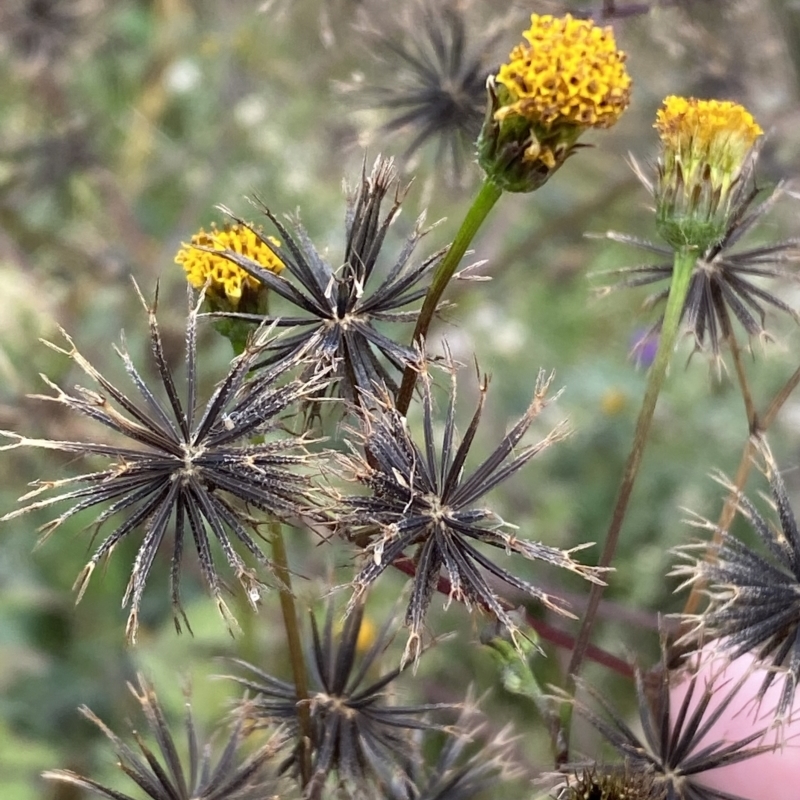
<point>644,346</point>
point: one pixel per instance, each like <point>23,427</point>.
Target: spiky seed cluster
<point>675,748</point>
<point>340,305</point>
<point>569,77</point>
<point>184,473</point>
<point>469,764</point>
<point>705,148</point>
<point>159,773</point>
<point>755,596</point>
<point>436,66</point>
<point>569,73</point>
<point>204,266</point>
<point>356,733</point>
<point>611,783</point>
<point>423,503</point>
<point>41,34</point>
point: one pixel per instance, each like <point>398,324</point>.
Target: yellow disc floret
<point>706,133</point>
<point>705,147</point>
<point>570,73</point>
<point>223,277</point>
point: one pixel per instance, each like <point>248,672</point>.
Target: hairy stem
<point>294,642</point>
<point>488,195</point>
<point>681,277</point>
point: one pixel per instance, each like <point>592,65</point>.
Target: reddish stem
<point>550,634</point>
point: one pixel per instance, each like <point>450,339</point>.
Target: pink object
<point>773,775</point>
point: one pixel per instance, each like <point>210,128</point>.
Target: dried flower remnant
<point>436,59</point>
<point>569,77</point>
<point>469,764</point>
<point>701,187</point>
<point>674,747</point>
<point>611,783</point>
<point>196,468</point>
<point>754,597</point>
<point>159,773</point>
<point>227,286</point>
<point>340,306</point>
<point>42,33</point>
<point>424,502</point>
<point>357,734</point>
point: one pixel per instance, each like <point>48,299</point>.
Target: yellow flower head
<point>568,77</point>
<point>224,278</point>
<point>715,133</point>
<point>705,144</point>
<point>569,73</point>
<point>367,634</point>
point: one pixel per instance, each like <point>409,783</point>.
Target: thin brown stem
<point>742,473</point>
<point>778,401</point>
<point>725,518</point>
<point>758,427</point>
<point>741,375</point>
<point>294,642</point>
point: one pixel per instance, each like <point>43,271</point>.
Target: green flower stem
<point>488,195</point>
<point>296,656</point>
<point>681,277</point>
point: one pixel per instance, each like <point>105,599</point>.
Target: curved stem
<point>488,195</point>
<point>293,640</point>
<point>681,277</point>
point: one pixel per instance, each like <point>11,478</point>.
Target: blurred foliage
<point>123,123</point>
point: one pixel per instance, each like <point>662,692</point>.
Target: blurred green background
<point>123,124</point>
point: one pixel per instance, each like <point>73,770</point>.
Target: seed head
<point>754,595</point>
<point>674,748</point>
<point>357,734</point>
<point>341,308</point>
<point>181,473</point>
<point>422,502</point>
<point>159,774</point>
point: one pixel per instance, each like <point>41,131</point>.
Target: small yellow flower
<point>613,402</point>
<point>226,280</point>
<point>705,145</point>
<point>570,76</point>
<point>367,635</point>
